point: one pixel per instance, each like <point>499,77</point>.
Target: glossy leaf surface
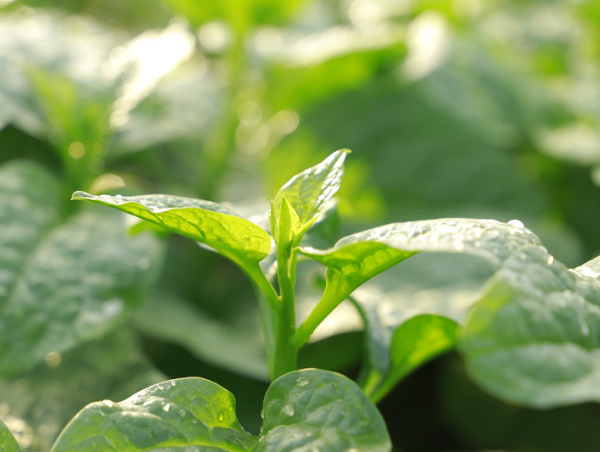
<point>204,221</point>
<point>534,338</point>
<point>319,410</point>
<point>63,282</point>
<point>309,192</point>
<point>8,443</point>
<point>173,415</point>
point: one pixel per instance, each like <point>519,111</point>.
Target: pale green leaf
<point>175,415</point>
<point>62,282</point>
<point>287,225</point>
<point>314,409</point>
<point>534,338</point>
<point>309,192</point>
<point>8,443</point>
<point>207,222</point>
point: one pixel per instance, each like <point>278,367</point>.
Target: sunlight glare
<point>427,43</point>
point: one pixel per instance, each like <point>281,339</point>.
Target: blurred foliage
<point>482,109</point>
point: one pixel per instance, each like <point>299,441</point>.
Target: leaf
<point>534,338</point>
<point>309,192</point>
<point>63,281</point>
<point>359,257</point>
<point>8,443</point>
<point>206,222</point>
<point>174,414</point>
<point>46,398</point>
<point>287,225</point>
<point>318,410</point>
<point>412,344</point>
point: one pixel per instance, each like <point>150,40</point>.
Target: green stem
<point>286,353</point>
<point>333,295</point>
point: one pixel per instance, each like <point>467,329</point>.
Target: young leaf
<point>412,344</point>
<point>287,225</point>
<point>309,192</point>
<point>318,410</point>
<point>63,281</point>
<point>172,415</point>
<point>534,338</point>
<point>8,443</point>
<point>206,222</point>
<point>358,257</point>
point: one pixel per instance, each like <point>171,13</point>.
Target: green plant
<point>315,409</point>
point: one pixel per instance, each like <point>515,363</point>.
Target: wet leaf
<point>319,410</point>
<point>534,338</point>
<point>173,414</point>
<point>206,222</point>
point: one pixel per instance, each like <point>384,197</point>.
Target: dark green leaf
<point>8,443</point>
<point>534,338</point>
<point>309,192</point>
<point>173,415</point>
<point>207,222</point>
<point>318,410</point>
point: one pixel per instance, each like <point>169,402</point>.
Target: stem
<point>286,353</point>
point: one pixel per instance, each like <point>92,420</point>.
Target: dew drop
<point>173,383</point>
<point>262,413</point>
<point>301,382</point>
<point>194,421</point>
<point>182,413</point>
<point>166,407</point>
<point>458,246</point>
<point>119,197</point>
<point>516,223</point>
<point>550,259</point>
<point>108,403</point>
<point>288,410</point>
<point>221,417</point>
<point>160,387</point>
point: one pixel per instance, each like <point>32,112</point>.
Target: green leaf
<point>534,338</point>
<point>359,257</point>
<point>206,222</point>
<point>63,281</point>
<point>412,344</point>
<point>309,192</point>
<point>319,410</point>
<point>8,443</point>
<point>175,414</point>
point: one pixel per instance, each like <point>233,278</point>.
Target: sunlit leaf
<point>309,192</point>
<point>8,443</point>
<point>534,338</point>
<point>174,414</point>
<point>207,222</point>
<point>319,410</point>
<point>359,257</point>
<point>63,281</point>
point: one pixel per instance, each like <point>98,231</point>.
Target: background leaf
<point>71,281</point>
<point>7,440</point>
<point>533,338</point>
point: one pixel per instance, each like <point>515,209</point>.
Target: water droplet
<point>182,413</point>
<point>458,246</point>
<point>262,413</point>
<point>160,387</point>
<point>516,223</point>
<point>302,382</point>
<point>194,421</point>
<point>119,197</point>
<point>172,382</point>
<point>550,259</point>
<point>108,403</point>
<point>166,407</point>
<point>221,417</point>
<point>288,410</point>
